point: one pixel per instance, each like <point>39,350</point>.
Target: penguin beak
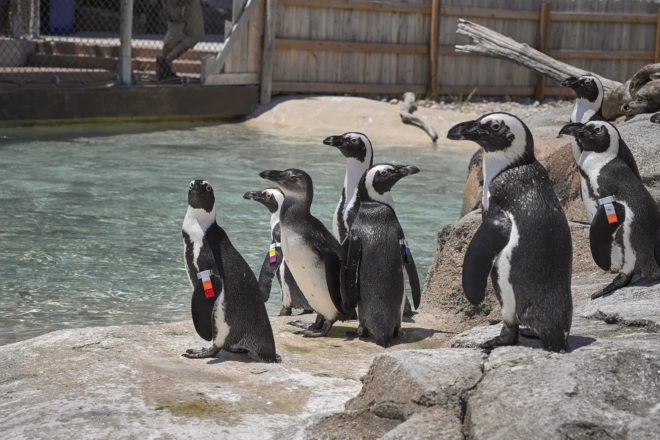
<point>571,82</point>
<point>469,130</point>
<point>334,141</point>
<point>272,175</point>
<point>573,129</point>
<point>252,195</point>
<point>406,170</point>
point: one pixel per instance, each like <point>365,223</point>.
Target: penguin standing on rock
<point>274,264</point>
<point>226,304</point>
<point>313,255</point>
<point>590,95</point>
<point>524,242</point>
<point>358,151</point>
<point>377,250</point>
<point>626,226</point>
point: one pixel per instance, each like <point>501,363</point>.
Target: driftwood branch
<point>493,44</point>
<point>406,109</point>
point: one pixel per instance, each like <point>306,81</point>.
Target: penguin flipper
<point>489,240</point>
<point>201,307</point>
<point>352,271</point>
<point>413,279</point>
<point>601,235</point>
<point>333,277</point>
<point>268,271</point>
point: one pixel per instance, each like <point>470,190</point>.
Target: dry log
<point>406,109</point>
<point>493,44</point>
<point>644,91</point>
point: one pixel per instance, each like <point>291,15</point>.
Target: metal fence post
<point>125,35</point>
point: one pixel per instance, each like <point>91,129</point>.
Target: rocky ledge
<point>131,382</point>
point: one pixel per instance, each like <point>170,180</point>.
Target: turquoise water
<point>91,215</point>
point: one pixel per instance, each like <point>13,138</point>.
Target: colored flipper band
<point>205,276</point>
<point>272,253</point>
<point>610,212</point>
<point>405,250</point>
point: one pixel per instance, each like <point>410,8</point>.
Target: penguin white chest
<point>309,272</point>
<point>503,265</point>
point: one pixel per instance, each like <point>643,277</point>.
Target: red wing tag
<point>206,282</point>
<point>610,212</point>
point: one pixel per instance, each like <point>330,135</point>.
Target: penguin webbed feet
<point>285,311</point>
<point>621,280</point>
<point>202,353</point>
<point>508,336</point>
<point>317,332</point>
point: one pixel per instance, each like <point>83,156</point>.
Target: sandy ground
<point>321,116</point>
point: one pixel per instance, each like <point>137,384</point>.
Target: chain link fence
<point>77,42</point>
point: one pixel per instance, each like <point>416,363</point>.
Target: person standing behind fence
<point>185,28</point>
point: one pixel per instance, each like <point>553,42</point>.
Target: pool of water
<point>91,215</point>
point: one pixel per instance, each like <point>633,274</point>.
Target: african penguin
<point>274,263</point>
<point>358,151</point>
<point>626,225</point>
<point>588,105</point>
<point>314,257</point>
<point>524,241</point>
<point>377,250</point>
<point>226,304</point>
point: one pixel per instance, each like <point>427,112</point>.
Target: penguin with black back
<point>358,151</point>
<point>227,307</point>
<point>524,242</point>
<point>588,105</point>
<point>377,250</point>
<point>655,118</point>
<point>312,254</point>
<point>625,230</point>
<point>274,264</point>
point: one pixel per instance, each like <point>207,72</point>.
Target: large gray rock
<point>635,306</point>
<point>643,138</point>
<point>608,389</point>
<point>443,292</point>
<point>407,394</point>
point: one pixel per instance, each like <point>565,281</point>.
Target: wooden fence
<point>389,47</point>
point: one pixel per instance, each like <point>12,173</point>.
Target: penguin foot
<point>202,353</point>
<point>301,324</point>
<point>307,311</point>
<point>621,280</point>
<point>508,336</point>
<point>285,311</point>
<point>317,333</point>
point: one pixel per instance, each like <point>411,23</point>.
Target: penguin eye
<point>495,125</point>
<point>598,129</point>
<point>208,187</point>
<point>588,82</point>
<point>268,196</point>
<point>382,172</point>
<point>354,141</point>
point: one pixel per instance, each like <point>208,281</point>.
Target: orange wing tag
<point>205,276</point>
<point>610,212</point>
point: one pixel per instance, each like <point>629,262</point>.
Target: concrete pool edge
<point>57,105</point>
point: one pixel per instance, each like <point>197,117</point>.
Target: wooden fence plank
<point>588,17</point>
<point>350,46</point>
<point>361,5</point>
<point>268,54</point>
<point>435,41</point>
<point>656,55</point>
<point>543,39</point>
